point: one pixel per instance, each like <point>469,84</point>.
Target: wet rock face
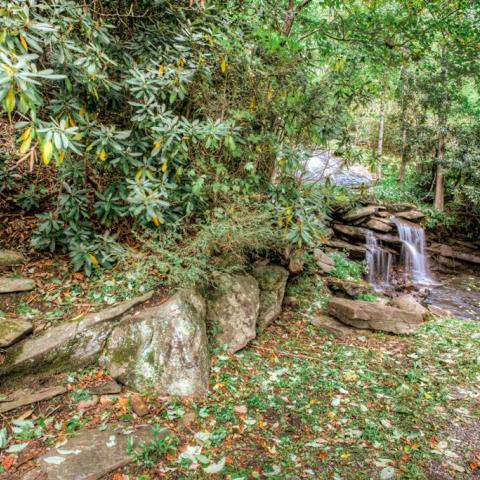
<point>272,280</point>
<point>233,308</point>
<point>374,316</point>
<point>162,347</point>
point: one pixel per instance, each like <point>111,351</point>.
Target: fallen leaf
<point>9,461</point>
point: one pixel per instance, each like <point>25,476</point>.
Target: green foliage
<point>227,240</point>
<point>148,121</point>
<point>148,454</point>
<point>367,297</point>
<point>346,269</point>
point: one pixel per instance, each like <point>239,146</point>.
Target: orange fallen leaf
<point>9,461</point>
<point>123,402</point>
<point>118,476</point>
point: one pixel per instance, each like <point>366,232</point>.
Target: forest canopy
<point>154,116</point>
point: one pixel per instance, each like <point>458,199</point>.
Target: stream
<point>458,293</point>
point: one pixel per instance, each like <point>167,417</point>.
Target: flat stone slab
<point>357,213</point>
<point>374,316</point>
<point>22,398</point>
<point>13,285</point>
<point>11,331</point>
<point>11,258</point>
<point>378,225</point>
<point>331,325</point>
<point>89,455</point>
<point>410,215</point>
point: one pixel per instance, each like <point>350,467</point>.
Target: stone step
<point>14,285</point>
<point>91,454</point>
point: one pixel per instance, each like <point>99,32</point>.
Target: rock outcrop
<point>163,347</point>
<point>272,280</point>
<point>233,309</point>
<point>70,344</point>
<point>374,316</point>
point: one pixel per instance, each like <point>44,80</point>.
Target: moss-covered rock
<point>163,347</point>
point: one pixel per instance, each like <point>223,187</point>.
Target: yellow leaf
<point>47,152</point>
<point>26,133</point>
<point>61,156</point>
<point>82,111</point>
<point>223,65</point>
<point>164,167</point>
<point>138,174</point>
<point>161,70</point>
<point>10,101</point>
<point>156,221</point>
<point>23,42</point>
<point>25,145</point>
<point>71,121</point>
<point>269,94</point>
<point>94,260</point>
<point>252,105</point>
<point>102,155</point>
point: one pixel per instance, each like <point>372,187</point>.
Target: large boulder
<point>349,288</point>
<point>325,263</point>
<point>70,344</point>
<point>408,303</point>
<point>233,308</point>
<point>272,280</point>
<point>10,258</point>
<point>163,347</point>
<point>374,316</point>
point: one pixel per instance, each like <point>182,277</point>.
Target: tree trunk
<point>380,134</point>
<point>289,18</point>
<point>439,189</point>
<point>404,154</point>
<point>439,202</point>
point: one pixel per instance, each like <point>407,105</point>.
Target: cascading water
<point>414,258</point>
<point>379,262</point>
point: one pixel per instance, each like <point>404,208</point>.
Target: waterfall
<point>414,258</point>
<point>379,262</point>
